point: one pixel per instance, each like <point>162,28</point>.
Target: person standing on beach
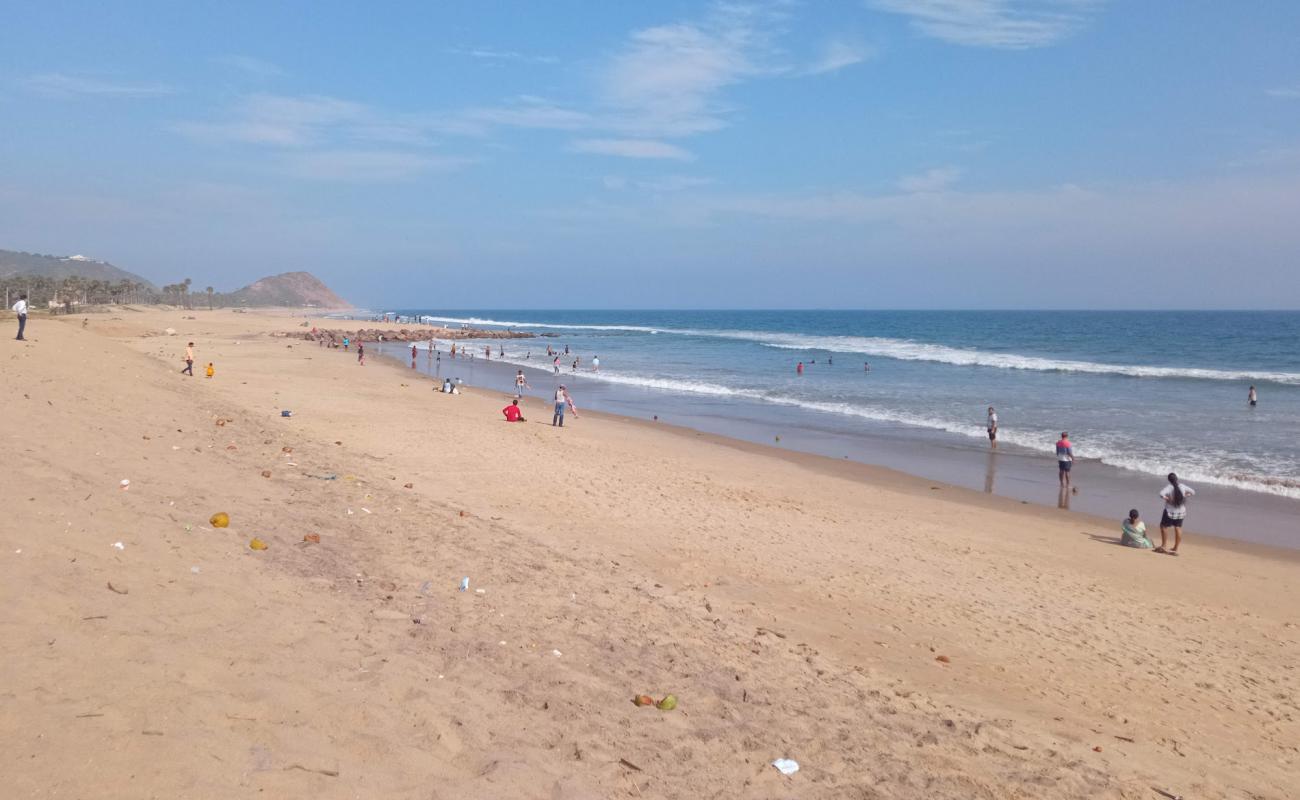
<point>20,308</point>
<point>595,364</point>
<point>189,360</point>
<point>521,383</point>
<point>562,401</point>
<point>413,351</point>
<point>1175,496</point>
<point>993,428</point>
<point>798,370</point>
<point>346,342</point>
<point>1252,397</point>
<point>556,364</point>
<point>1064,458</point>
<point>361,354</point>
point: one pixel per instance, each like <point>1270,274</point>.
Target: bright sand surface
<point>797,606</point>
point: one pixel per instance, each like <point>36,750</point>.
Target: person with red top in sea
<point>1064,458</point>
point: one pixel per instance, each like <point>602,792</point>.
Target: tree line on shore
<point>44,291</point>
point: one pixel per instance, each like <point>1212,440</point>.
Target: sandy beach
<point>898,638</point>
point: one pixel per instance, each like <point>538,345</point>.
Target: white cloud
<point>299,121</point>
<point>58,84</point>
<point>837,55</point>
<point>250,65</point>
<point>631,148</point>
<point>1284,92</point>
<point>490,54</point>
<point>380,166</point>
<point>933,180</point>
<point>1002,24</point>
<point>666,79</point>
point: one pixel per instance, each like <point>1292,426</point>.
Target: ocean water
<point>1149,392</point>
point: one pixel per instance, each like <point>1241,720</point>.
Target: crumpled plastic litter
<point>787,766</point>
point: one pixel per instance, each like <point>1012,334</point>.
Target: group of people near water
<point>1132,528</point>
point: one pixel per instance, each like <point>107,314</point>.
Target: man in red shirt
<point>512,412</point>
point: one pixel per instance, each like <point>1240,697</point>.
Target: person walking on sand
<point>562,401</point>
<point>1175,496</point>
<point>20,308</point>
<point>521,383</point>
<point>361,354</point>
<point>1252,397</point>
<point>993,428</point>
<point>189,360</point>
<point>1064,459</point>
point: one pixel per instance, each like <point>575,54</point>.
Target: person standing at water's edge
<point>189,360</point>
<point>1064,458</point>
<point>798,370</point>
<point>993,428</point>
<point>20,308</point>
<point>521,383</point>
<point>1252,397</point>
<point>1175,496</point>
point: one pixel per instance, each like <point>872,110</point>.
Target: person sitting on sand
<point>513,413</point>
<point>1133,532</point>
<point>211,370</point>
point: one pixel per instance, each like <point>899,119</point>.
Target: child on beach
<point>513,412</point>
<point>346,342</point>
<point>211,370</point>
<point>361,354</point>
<point>1133,532</point>
<point>521,383</point>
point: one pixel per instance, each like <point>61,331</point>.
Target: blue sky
<point>882,153</point>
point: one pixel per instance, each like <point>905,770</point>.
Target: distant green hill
<point>14,263</point>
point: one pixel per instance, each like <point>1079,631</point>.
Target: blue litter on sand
<point>464,584</point>
<point>286,413</point>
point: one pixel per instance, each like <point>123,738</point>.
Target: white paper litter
<point>787,766</point>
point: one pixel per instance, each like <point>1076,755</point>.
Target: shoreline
<point>1265,518</point>
<point>797,605</point>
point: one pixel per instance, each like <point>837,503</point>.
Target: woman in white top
<point>1175,496</point>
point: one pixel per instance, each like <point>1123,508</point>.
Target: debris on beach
<point>668,703</point>
<point>266,473</point>
<point>464,584</point>
<point>409,486</point>
<point>116,590</point>
<point>943,659</point>
<point>219,520</point>
<point>643,700</point>
<point>314,538</point>
<point>125,484</point>
<point>119,545</point>
<point>257,544</point>
<point>786,766</point>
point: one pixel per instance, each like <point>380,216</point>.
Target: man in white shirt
<point>20,308</point>
<point>993,428</point>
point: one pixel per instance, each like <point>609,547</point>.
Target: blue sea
<point>1145,392</point>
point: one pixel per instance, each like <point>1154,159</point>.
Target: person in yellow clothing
<point>211,370</point>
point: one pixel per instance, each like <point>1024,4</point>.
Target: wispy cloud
<point>282,120</point>
<point>933,180</point>
<point>631,148</point>
<point>837,55</point>
<point>666,79</point>
<point>490,54</point>
<point>1002,24</point>
<point>58,84</point>
<point>1284,92</point>
<point>662,184</point>
<point>250,65</point>
<point>378,166</point>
